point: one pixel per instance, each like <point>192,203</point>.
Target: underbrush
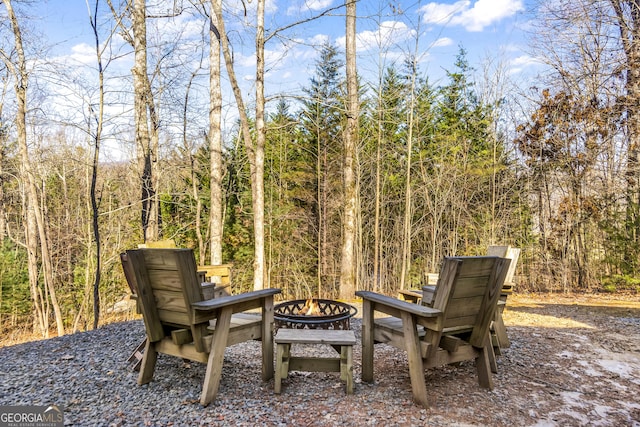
<point>621,283</point>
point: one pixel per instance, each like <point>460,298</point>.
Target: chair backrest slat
<point>469,298</point>
<point>509,252</point>
<point>170,283</point>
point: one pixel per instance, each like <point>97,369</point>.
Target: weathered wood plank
<point>315,336</point>
<point>146,299</point>
<point>216,303</point>
<point>314,364</point>
<point>385,303</point>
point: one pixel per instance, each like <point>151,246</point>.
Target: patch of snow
<point>544,423</point>
<point>630,405</point>
<point>573,398</point>
<point>590,371</point>
<point>602,411</point>
<point>617,367</point>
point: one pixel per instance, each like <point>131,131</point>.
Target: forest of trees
<point>352,184</point>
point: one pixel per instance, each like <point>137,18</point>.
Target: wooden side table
<point>341,340</point>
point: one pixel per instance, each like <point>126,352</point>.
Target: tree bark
<point>255,153</point>
<point>628,16</point>
<point>216,224</point>
<point>257,183</point>
<point>97,138</point>
<point>141,98</point>
<point>348,260</point>
<point>35,226</point>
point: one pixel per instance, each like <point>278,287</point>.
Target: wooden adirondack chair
<point>499,336</point>
<point>180,322</point>
<point>220,273</point>
<point>455,328</point>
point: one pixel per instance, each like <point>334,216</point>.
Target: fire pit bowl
<point>330,314</point>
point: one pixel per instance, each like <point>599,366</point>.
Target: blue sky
<point>483,27</point>
<point>388,31</point>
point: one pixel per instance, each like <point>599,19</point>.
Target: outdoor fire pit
<point>314,314</point>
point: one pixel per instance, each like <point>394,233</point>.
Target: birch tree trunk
<point>348,260</point>
<point>257,183</point>
<point>215,137</point>
<point>35,227</point>
<point>255,152</point>
<point>3,144</point>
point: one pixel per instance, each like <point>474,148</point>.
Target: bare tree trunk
<point>348,267</point>
<point>3,142</point>
<point>216,224</point>
<point>376,222</point>
<point>95,213</point>
<point>257,183</point>
<point>142,137</point>
<point>202,253</point>
<point>255,153</point>
<point>35,220</point>
<point>406,241</point>
<point>628,15</point>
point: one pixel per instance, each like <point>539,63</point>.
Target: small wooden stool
<point>342,341</point>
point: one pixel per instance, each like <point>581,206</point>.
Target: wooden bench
<point>342,341</point>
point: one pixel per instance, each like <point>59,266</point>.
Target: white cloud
<point>389,33</point>
<point>84,54</point>
<point>309,6</point>
<point>318,39</point>
<point>317,4</point>
<point>441,13</point>
<point>472,17</point>
<point>442,41</point>
<point>523,62</point>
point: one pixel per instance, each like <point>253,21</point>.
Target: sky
<point>484,28</point>
<point>387,32</point>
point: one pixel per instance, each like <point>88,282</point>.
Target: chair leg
<point>493,363</point>
<point>500,330</point>
<point>483,365</point>
<point>267,339</point>
<point>416,368</point>
<point>367,342</point>
<point>148,364</point>
<point>346,367</point>
<point>216,357</point>
<point>282,366</point>
<point>136,356</point>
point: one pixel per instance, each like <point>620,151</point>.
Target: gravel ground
<point>550,376</point>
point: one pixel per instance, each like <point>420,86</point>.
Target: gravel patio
<point>570,363</point>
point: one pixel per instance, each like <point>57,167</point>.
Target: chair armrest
<point>243,301</point>
<point>394,306</point>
